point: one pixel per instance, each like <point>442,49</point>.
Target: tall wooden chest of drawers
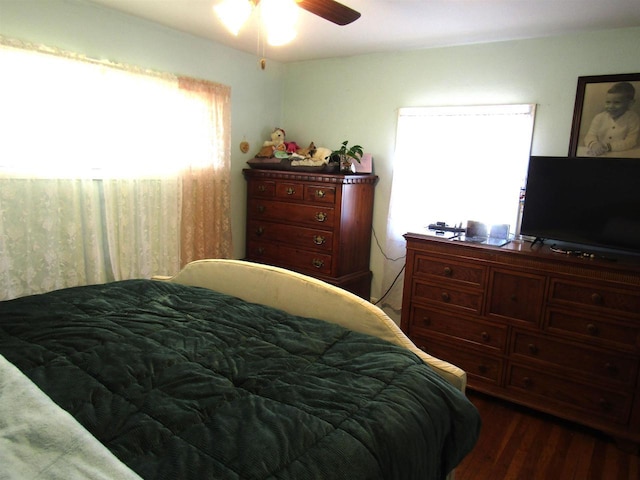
<point>316,224</point>
<point>554,332</point>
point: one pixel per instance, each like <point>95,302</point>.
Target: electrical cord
<point>402,257</point>
<point>382,251</point>
<point>391,286</point>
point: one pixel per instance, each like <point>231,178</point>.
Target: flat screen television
<point>592,201</point>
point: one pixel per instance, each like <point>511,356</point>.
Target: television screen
<point>588,201</point>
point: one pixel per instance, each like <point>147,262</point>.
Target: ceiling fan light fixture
<point>277,37</point>
<point>279,18</point>
<point>234,13</point>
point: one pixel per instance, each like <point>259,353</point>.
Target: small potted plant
<point>345,155</point>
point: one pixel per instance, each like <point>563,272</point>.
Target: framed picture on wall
<point>606,117</point>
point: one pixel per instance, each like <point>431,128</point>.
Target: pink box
<point>365,165</point>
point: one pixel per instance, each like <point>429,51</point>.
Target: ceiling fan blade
<point>330,10</point>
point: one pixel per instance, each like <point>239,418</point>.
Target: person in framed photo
<point>617,127</point>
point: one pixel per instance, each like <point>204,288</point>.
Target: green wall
<point>357,98</point>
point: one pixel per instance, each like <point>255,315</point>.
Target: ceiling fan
<point>280,15</point>
<point>330,10</point>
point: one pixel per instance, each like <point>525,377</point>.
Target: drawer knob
<point>320,193</point>
<point>318,239</point>
<point>291,191</point>
<point>260,250</point>
<point>426,320</point>
<point>533,349</point>
<point>259,231</point>
<point>526,382</point>
<point>321,216</point>
<point>447,271</point>
<point>317,262</point>
<point>513,298</point>
<point>446,297</point>
<point>592,329</point>
<point>485,336</point>
<point>262,188</point>
<point>482,368</point>
<point>260,208</point>
<point>596,298</point>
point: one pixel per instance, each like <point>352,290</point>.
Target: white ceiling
<point>396,25</point>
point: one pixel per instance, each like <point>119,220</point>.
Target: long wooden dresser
<point>555,332</point>
<point>314,223</point>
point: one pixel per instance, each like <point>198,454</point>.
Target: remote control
<point>442,227</point>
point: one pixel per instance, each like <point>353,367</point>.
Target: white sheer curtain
<point>454,164</point>
<point>92,165</point>
<point>51,235</point>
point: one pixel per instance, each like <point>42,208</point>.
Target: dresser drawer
<point>594,329</point>
<point>290,257</point>
<point>564,395</point>
<point>307,238</point>
<point>586,361</point>
<point>600,297</point>
<point>320,194</point>
<point>262,188</point>
<point>304,260</point>
<point>516,296</point>
<point>261,251</point>
<point>444,296</point>
<point>289,191</point>
<point>467,274</point>
<point>480,368</point>
<point>424,320</point>
<point>310,215</point>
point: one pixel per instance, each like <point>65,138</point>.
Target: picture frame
<point>591,94</point>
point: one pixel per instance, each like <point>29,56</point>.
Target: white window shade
<point>454,164</point>
<point>62,118</point>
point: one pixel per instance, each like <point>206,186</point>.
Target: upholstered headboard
<point>305,296</point>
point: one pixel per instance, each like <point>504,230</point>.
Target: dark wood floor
<point>519,444</point>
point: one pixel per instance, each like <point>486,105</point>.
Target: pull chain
<point>261,47</point>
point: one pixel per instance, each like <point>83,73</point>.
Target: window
<point>107,171</point>
<point>455,164</point>
<point>66,118</point>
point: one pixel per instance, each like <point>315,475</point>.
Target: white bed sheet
<point>39,440</point>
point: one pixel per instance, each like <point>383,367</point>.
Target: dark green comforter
<point>184,383</point>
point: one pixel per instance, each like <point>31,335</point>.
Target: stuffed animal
<point>277,138</point>
<point>311,157</point>
<point>323,154</point>
<point>291,147</point>
<point>306,152</point>
<point>276,143</point>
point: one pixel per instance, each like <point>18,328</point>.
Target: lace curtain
<point>206,209</point>
<point>471,166</point>
<point>107,171</point>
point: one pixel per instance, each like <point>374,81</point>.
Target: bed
<point>228,370</point>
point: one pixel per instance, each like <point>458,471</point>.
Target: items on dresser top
<point>474,232</point>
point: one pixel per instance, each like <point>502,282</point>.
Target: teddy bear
<point>277,138</point>
<point>276,143</point>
